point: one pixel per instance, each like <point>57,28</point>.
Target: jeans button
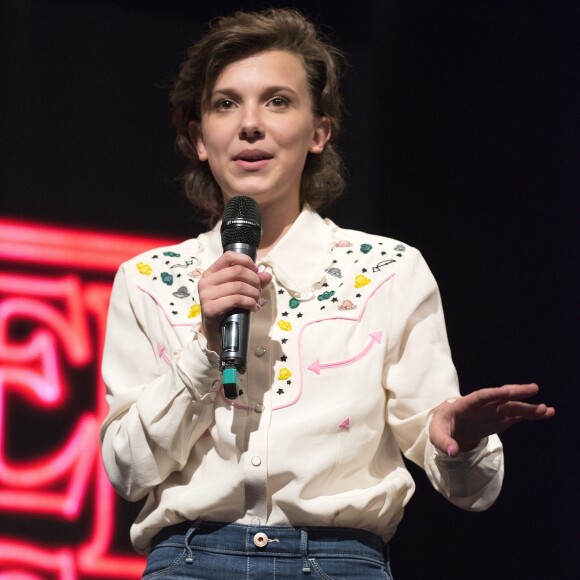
<point>260,539</point>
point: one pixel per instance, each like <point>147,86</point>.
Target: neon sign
<point>59,516</point>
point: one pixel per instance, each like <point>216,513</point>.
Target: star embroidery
<point>167,262</point>
<point>284,341</point>
<point>325,285</point>
<point>349,252</point>
<point>281,291</point>
<point>383,253</point>
<point>335,261</point>
<point>280,391</point>
<point>154,257</point>
<point>284,358</point>
<point>358,295</point>
<point>288,382</point>
<point>299,315</point>
<point>335,299</point>
<point>364,270</point>
<point>399,255</point>
<point>284,313</point>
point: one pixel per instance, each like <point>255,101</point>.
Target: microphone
<point>241,231</point>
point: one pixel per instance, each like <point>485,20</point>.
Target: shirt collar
<point>301,256</point>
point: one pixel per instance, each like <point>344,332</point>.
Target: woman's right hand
<point>232,281</point>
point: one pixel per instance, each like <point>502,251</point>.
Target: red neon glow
<point>51,329</point>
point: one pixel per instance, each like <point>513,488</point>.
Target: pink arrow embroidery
<point>376,338</point>
<point>345,425</point>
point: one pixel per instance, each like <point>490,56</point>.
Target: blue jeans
<point>220,551</point>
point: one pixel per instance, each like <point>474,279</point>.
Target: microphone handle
<point>235,330</point>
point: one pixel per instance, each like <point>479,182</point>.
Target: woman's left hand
<point>461,424</point>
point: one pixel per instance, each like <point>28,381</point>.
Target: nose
<point>251,128</point>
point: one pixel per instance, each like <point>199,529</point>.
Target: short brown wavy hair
<point>235,37</point>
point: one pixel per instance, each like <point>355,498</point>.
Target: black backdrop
<point>461,138</point>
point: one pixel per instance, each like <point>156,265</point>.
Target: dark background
<point>461,138</point>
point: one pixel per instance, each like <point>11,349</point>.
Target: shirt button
<point>256,461</point>
<point>260,351</point>
<point>261,539</point>
<point>259,408</point>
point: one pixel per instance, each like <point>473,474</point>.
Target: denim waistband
<point>288,541</point>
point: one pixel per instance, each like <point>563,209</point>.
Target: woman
<point>349,363</point>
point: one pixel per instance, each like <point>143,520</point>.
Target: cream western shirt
<point>347,356</point>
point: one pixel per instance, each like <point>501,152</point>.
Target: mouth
<point>252,156</point>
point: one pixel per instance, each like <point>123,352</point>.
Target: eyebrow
<point>269,90</point>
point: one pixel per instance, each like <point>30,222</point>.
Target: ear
<point>196,137</point>
<point>322,133</point>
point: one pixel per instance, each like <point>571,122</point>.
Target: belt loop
<point>304,551</point>
<point>188,551</point>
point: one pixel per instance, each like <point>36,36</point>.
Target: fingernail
<point>255,268</point>
<point>449,450</point>
<point>257,307</point>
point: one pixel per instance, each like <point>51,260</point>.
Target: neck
<point>276,222</point>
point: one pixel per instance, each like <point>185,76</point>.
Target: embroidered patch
<point>345,425</point>
<point>181,292</point>
<point>194,311</point>
<point>347,305</point>
<point>365,248</point>
<point>382,264</point>
<point>284,325</point>
<point>334,272</point>
<point>343,244</point>
<point>144,269</point>
<point>294,303</point>
<point>284,374</point>
<point>187,264</point>
<point>325,295</point>
<point>167,278</point>
<point>361,281</point>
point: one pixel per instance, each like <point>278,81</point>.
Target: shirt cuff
<point>198,367</point>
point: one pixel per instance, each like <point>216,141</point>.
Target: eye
<point>224,105</point>
<point>279,102</point>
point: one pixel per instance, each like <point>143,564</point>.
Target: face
<point>258,128</point>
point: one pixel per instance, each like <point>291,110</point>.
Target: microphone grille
<point>241,222</point>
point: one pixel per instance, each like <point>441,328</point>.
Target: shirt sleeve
<point>157,409</point>
<point>419,376</point>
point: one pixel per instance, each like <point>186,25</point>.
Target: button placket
<point>258,419</point>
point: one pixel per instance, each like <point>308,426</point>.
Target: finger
<point>265,279</point>
<point>497,395</point>
<point>522,391</point>
<point>219,283</point>
<point>229,258</point>
<point>440,430</point>
<point>234,294</point>
<point>526,411</point>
